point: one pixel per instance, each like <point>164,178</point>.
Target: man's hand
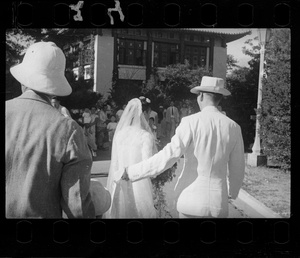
<point>125,175</point>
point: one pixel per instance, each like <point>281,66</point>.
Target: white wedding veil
<point>132,117</point>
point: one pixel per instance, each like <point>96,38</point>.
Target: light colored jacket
<point>47,162</point>
<point>64,111</point>
<point>212,145</point>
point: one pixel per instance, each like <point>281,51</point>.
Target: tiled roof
<point>228,34</point>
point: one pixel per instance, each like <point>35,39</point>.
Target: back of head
<point>133,117</point>
<point>42,70</point>
<point>215,98</point>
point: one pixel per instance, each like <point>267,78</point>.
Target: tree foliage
<point>276,101</point>
<point>180,78</point>
<point>242,82</point>
<point>231,63</point>
<point>173,83</point>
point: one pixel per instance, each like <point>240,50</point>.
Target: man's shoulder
<point>229,120</point>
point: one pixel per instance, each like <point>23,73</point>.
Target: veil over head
<point>133,116</point>
<point>132,119</point>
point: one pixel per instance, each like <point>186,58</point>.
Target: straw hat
<point>43,69</point>
<point>211,84</point>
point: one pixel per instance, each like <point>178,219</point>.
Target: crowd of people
<point>49,150</point>
<point>99,122</point>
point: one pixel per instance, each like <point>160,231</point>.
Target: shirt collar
<point>210,109</point>
<point>30,94</point>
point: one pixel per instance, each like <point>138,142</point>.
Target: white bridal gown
<point>130,199</point>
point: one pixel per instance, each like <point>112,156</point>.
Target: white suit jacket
<point>212,145</point>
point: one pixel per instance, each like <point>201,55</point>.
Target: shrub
<point>276,110</point>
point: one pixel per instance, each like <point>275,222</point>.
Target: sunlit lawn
<point>271,186</point>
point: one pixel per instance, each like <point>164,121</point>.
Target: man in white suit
<point>172,119</point>
<point>212,145</point>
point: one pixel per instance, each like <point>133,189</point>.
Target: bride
<point>132,143</point>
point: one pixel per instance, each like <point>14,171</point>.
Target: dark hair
<point>216,97</point>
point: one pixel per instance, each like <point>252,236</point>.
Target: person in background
<point>213,150</point>
<point>111,127</point>
<point>108,111</point>
<point>47,160</point>
<point>160,118</point>
<point>88,130</point>
<point>120,112</point>
<point>153,127</point>
<point>101,128</point>
<point>93,123</point>
<point>75,114</point>
<point>86,116</point>
<point>55,101</point>
<point>154,115</point>
<point>146,107</point>
<point>184,111</point>
<point>172,119</point>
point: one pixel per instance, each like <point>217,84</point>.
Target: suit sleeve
<point>75,180</point>
<point>236,166</point>
<point>166,157</point>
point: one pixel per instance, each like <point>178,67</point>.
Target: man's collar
<point>210,109</point>
<point>30,94</point>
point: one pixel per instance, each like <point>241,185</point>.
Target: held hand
<point>125,175</point>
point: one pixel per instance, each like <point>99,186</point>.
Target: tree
<point>16,43</point>
<point>276,100</point>
<point>231,63</point>
<point>240,106</point>
<point>242,82</point>
<point>180,78</point>
<point>173,83</point>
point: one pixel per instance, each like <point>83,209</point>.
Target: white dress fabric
<point>132,143</point>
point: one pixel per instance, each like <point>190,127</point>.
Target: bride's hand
<point>125,175</point>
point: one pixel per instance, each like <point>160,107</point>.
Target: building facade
<point>131,54</point>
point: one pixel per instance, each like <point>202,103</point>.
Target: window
<point>165,54</point>
<point>87,52</point>
<point>87,72</point>
<point>195,55</point>
<point>87,56</point>
<point>132,52</point>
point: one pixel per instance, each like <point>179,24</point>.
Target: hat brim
<point>51,84</point>
<point>210,89</point>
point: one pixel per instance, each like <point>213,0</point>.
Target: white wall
<point>219,63</point>
<point>128,72</point>
<point>104,52</point>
